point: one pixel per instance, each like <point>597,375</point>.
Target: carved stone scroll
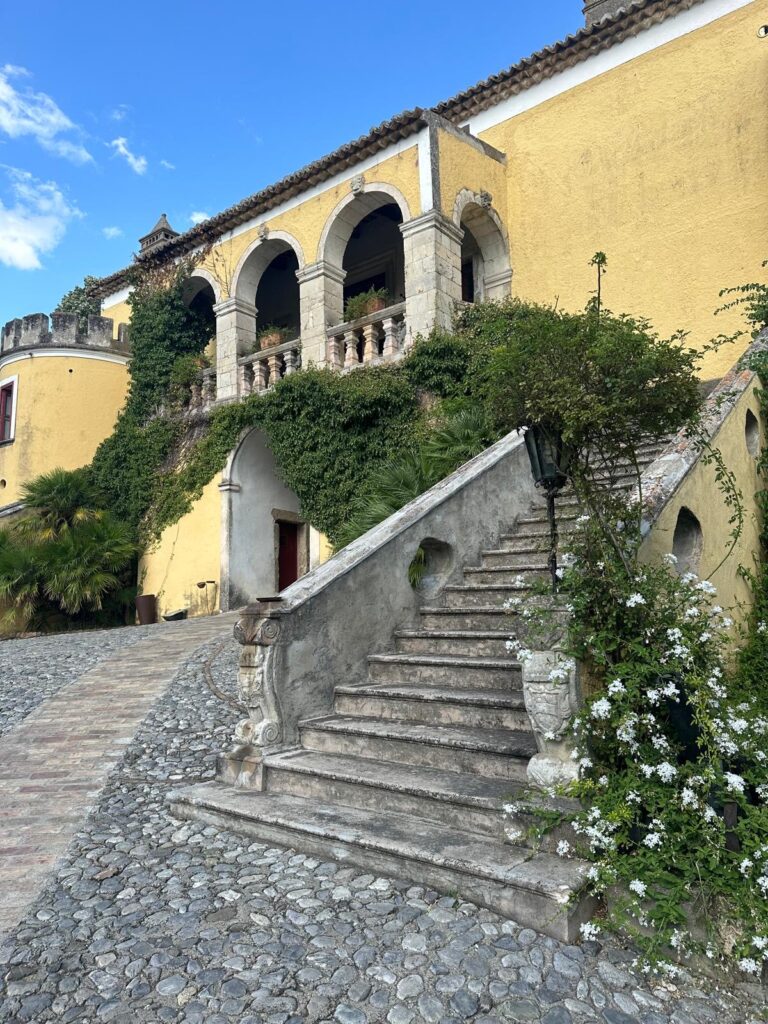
<point>259,633</point>
<point>549,689</point>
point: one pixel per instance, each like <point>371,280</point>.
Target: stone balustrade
<point>204,391</point>
<point>260,370</point>
<point>62,330</point>
<point>378,336</point>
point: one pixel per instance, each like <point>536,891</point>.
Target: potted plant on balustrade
<point>371,301</point>
<point>270,337</point>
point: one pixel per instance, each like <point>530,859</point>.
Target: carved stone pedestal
<point>549,688</point>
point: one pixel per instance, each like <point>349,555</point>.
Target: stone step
<point>497,753</point>
<point>492,575</point>
<point>465,802</point>
<point>482,595</point>
<point>535,889</point>
<point>446,670</point>
<point>531,556</point>
<point>434,705</point>
<point>491,618</point>
<point>489,643</point>
<point>539,516</point>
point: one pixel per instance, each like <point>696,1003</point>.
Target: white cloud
<point>120,112</point>
<point>168,165</point>
<point>197,216</point>
<point>25,112</point>
<point>136,163</point>
<point>112,232</point>
<point>35,221</point>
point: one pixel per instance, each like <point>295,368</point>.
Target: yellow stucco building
<point>643,135</point>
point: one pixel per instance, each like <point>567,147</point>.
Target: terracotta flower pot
<point>271,339</point>
<point>375,305</point>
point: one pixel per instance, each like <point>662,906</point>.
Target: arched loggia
<point>485,266</point>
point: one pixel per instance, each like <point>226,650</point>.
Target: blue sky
<point>113,113</point>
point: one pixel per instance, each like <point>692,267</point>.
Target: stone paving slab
<point>55,762</point>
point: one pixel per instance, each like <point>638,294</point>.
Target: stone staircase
<point>421,769</point>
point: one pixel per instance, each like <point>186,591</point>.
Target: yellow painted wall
<point>661,163</point>
<point>65,407</point>
<point>463,165</point>
<point>187,554</point>
<point>700,494</point>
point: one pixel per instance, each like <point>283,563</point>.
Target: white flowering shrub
<point>671,746</point>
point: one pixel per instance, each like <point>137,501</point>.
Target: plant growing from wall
<point>82,300</point>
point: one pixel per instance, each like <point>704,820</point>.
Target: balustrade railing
<point>378,336</point>
<point>259,371</point>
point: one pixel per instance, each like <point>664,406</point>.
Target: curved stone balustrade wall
<point>61,331</point>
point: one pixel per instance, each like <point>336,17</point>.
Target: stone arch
<point>485,248</point>
<point>199,280</point>
<point>257,258</point>
<point>258,511</point>
<point>348,213</point>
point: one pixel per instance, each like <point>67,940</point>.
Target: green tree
<point>83,300</point>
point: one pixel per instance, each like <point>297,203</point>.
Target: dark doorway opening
<point>287,554</point>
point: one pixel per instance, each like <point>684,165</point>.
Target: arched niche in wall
<point>687,542</point>
<point>752,434</point>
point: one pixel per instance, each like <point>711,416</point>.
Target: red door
<point>287,554</point>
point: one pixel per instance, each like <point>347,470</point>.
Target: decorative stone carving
<point>485,199</point>
<point>549,689</point>
<point>263,232</point>
<point>259,634</point>
<point>357,184</point>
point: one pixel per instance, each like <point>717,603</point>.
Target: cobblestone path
<point>53,764</point>
<point>147,920</point>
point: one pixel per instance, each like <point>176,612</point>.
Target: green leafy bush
<point>365,303</point>
<point>65,558</point>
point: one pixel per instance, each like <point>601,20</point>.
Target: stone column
<point>235,336</point>
<point>321,301</point>
<point>432,245</point>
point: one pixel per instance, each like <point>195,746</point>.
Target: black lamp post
<point>550,460</point>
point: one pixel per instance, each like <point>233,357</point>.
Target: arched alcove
<point>687,542</point>
<point>752,434</point>
<point>265,543</point>
<point>265,278</point>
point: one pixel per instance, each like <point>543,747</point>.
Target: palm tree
<point>57,501</point>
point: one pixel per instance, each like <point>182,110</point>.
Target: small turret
<point>161,233</point>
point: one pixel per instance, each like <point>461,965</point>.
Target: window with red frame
<point>6,413</point>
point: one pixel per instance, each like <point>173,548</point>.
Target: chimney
<point>596,10</point>
<point>161,233</point>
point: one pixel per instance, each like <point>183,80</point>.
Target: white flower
<point>601,708</point>
<point>634,599</point>
<point>589,931</point>
<point>632,797</point>
<point>603,780</point>
<point>652,840</point>
<point>563,848</point>
<point>734,783</point>
<point>688,798</point>
<point>584,763</point>
<point>616,686</point>
<point>689,577</point>
<point>638,887</point>
<point>706,588</point>
<point>670,559</point>
<point>760,942</point>
<point>762,627</point>
<point>558,675</point>
<point>666,771</point>
<point>582,519</point>
<point>749,966</point>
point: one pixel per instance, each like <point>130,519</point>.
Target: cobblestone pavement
<point>37,668</point>
<point>150,920</point>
